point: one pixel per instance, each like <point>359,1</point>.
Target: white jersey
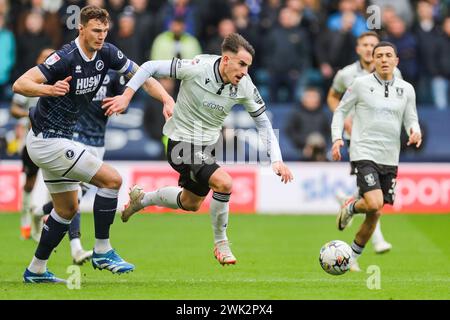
<point>380,107</point>
<point>25,103</point>
<point>204,101</point>
<point>345,77</point>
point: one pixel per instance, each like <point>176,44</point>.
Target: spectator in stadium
<point>406,45</point>
<point>175,43</point>
<point>402,8</point>
<point>286,56</point>
<point>32,41</point>
<point>309,121</point>
<point>347,8</point>
<point>335,49</point>
<point>180,9</point>
<point>7,56</point>
<point>146,26</point>
<point>127,37</point>
<point>426,33</point>
<point>440,83</point>
<point>246,27</point>
<point>225,27</point>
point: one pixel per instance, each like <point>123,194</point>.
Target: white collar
<point>85,58</point>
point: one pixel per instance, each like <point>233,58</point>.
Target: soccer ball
<point>335,257</point>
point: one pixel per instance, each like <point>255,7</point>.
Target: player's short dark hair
<point>93,12</point>
<point>385,44</point>
<point>234,41</point>
<point>368,34</point>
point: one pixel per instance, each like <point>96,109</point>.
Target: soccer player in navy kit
<point>66,82</point>
<point>89,131</point>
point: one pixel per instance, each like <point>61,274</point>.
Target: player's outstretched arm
<point>32,84</point>
<point>161,68</point>
<point>270,141</point>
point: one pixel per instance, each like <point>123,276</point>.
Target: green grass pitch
<point>277,259</point>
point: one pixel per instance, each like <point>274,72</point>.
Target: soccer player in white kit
<point>211,85</point>
<point>381,103</point>
<point>343,79</point>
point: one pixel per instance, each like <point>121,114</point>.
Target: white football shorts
<point>64,162</point>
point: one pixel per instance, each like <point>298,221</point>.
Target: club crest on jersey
<point>233,91</point>
<point>370,179</point>
<point>52,59</point>
<point>99,65</point>
<point>70,154</point>
<point>399,92</point>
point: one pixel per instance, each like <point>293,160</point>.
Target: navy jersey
<point>91,126</point>
<point>56,117</point>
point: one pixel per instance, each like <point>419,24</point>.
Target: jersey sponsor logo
<point>399,92</point>
<point>119,54</point>
<point>70,154</point>
<point>233,91</point>
<point>86,85</point>
<point>99,65</point>
<point>370,179</point>
<point>257,96</point>
<point>213,106</point>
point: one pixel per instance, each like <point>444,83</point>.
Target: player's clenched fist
<point>61,87</point>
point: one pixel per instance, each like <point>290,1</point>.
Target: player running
<point>381,103</point>
<point>67,82</point>
<point>211,85</point>
<point>343,79</point>
<point>90,132</point>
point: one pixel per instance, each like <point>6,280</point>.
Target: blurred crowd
<point>300,44</point>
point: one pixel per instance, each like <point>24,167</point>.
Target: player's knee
<point>68,211</point>
<point>373,207</point>
<point>114,182</point>
<point>225,185</point>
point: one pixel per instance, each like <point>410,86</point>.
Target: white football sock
<point>219,208</point>
<point>102,246</point>
<point>165,197</point>
<point>38,266</point>
<point>377,236</point>
<point>75,246</point>
<point>25,218</point>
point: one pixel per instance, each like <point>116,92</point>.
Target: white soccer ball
<point>335,257</point>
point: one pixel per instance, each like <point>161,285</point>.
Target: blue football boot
<point>111,261</point>
<point>46,277</point>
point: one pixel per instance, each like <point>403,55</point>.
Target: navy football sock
<point>47,208</point>
<point>52,233</point>
<point>74,227</point>
<point>105,205</point>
